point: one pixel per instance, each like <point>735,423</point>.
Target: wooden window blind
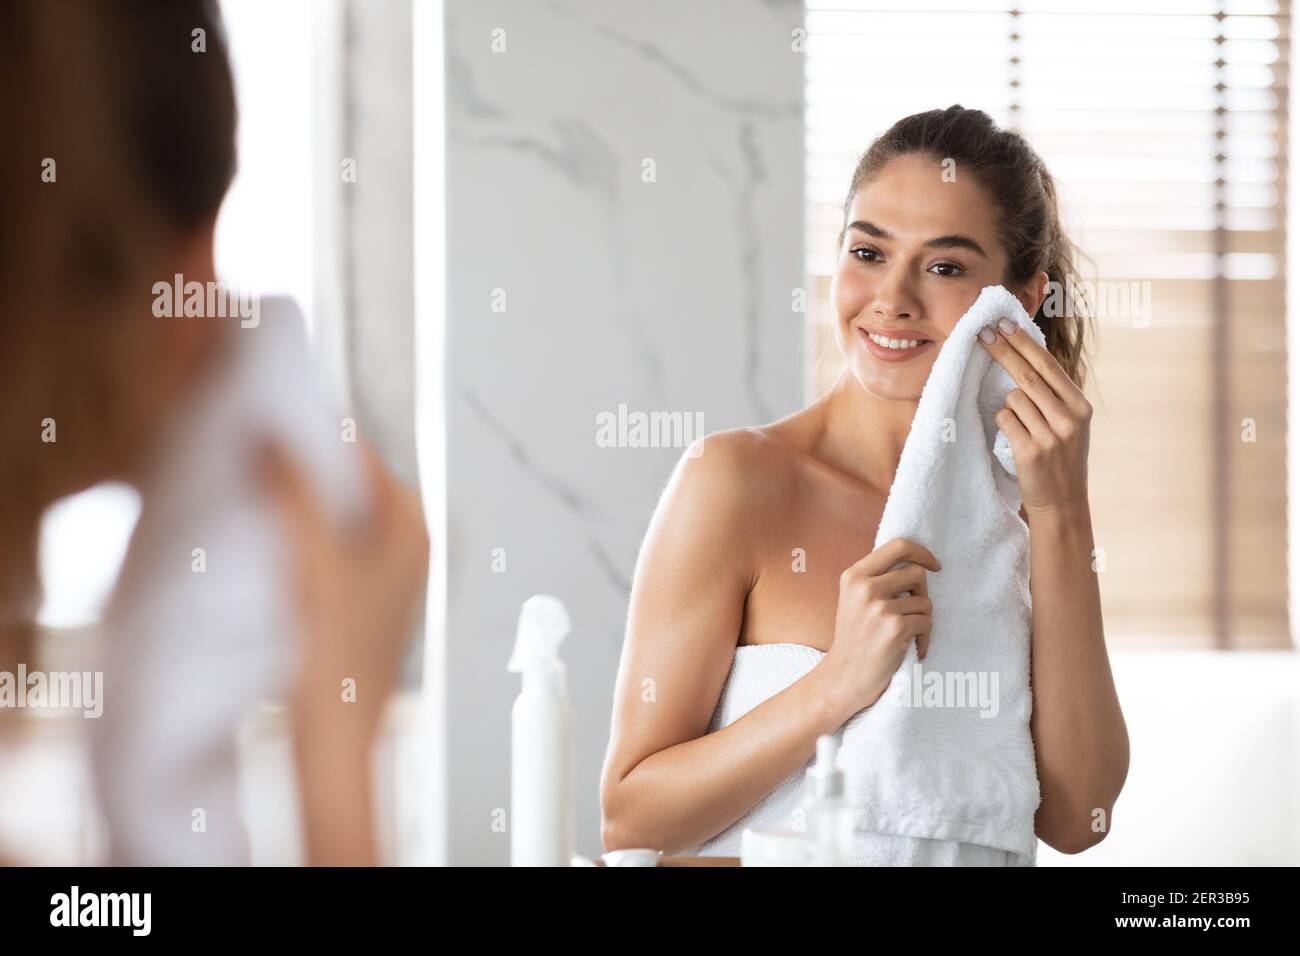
<point>1165,126</point>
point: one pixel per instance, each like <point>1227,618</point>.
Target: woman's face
<point>916,252</point>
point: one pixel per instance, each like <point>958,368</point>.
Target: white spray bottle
<point>541,740</point>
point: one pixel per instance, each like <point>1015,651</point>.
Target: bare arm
<point>666,784</point>
<point>1080,739</point>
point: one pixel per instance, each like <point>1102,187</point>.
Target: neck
<point>194,345</point>
<point>863,435</point>
<point>186,351</point>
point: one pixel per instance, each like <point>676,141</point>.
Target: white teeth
<point>894,343</point>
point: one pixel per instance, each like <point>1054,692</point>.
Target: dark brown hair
<point>176,105</point>
<point>1024,194</point>
<point>140,124</point>
<point>119,148</point>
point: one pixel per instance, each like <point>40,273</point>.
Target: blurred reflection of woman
<point>119,148</point>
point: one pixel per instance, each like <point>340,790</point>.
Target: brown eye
<point>954,269</point>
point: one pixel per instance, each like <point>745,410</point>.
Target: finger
<point>913,604</point>
<point>1030,416</point>
<point>409,537</point>
<point>924,627</point>
<point>381,488</point>
<point>386,506</point>
<point>1007,347</point>
<point>1010,425</point>
<point>894,551</point>
<point>292,494</point>
<point>1045,363</point>
<point>910,577</point>
<point>919,627</point>
<point>1027,378</point>
<point>397,524</point>
<point>1050,406</point>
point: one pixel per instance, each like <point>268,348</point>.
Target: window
<point>1166,129</point>
<point>264,233</point>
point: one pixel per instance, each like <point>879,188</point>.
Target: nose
<point>893,297</point>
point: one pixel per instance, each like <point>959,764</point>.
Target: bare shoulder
<point>719,501</point>
<point>740,467</point>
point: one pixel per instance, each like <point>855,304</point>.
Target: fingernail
<point>987,335</point>
<point>1006,325</point>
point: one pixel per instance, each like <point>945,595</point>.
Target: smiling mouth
<point>885,341</point>
<point>893,349</point>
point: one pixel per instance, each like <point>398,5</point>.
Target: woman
<point>918,245</point>
<point>120,146</point>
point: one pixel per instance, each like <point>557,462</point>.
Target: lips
<point>886,354</point>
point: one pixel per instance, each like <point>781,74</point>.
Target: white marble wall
<point>363,224</point>
<point>667,296</point>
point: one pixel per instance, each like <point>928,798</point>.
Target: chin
<point>890,385</point>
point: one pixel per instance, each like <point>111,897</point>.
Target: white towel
<point>195,641</point>
<point>942,772</point>
<point>951,772</point>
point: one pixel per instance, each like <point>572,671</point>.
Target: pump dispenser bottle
<point>541,818</point>
<point>826,813</point>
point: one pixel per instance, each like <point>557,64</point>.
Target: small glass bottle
<point>825,814</point>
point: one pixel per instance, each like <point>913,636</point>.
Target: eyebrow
<point>954,241</point>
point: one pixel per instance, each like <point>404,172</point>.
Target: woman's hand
<point>356,589</point>
<point>355,592</point>
<point>1046,420</point>
<point>875,621</point>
